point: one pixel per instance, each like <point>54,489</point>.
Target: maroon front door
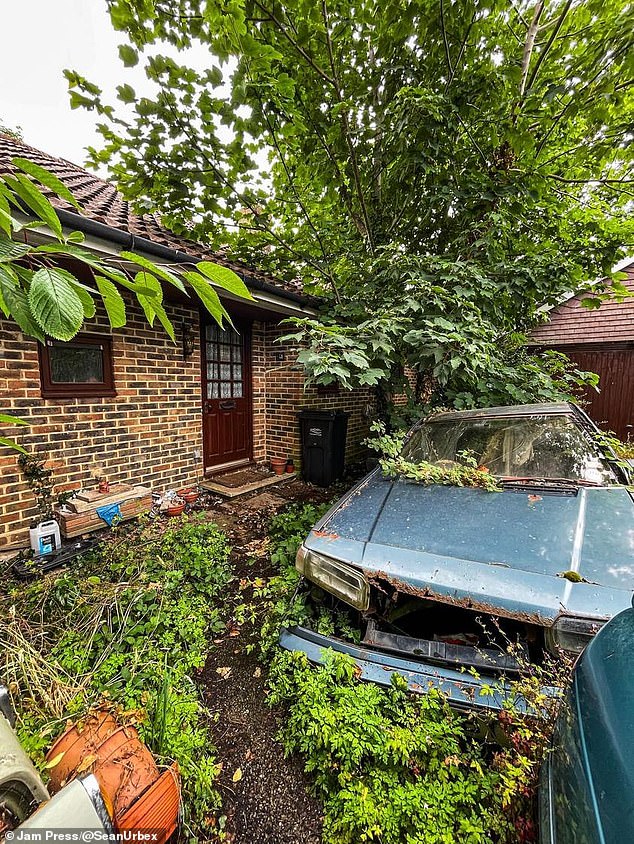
<point>227,412</point>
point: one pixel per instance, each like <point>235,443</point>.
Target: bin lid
<point>310,413</point>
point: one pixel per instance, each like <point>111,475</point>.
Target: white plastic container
<point>45,538</point>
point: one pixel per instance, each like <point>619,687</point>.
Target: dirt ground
<point>265,796</point>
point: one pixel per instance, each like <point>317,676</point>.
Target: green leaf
<point>161,272</point>
<point>128,55</point>
<point>6,218</point>
<point>126,93</point>
<point>87,302</point>
<point>5,441</point>
<point>207,296</point>
<point>18,305</point>
<point>12,251</point>
<point>48,179</point>
<point>225,278</point>
<point>30,194</point>
<point>7,419</point>
<point>112,300</point>
<point>55,305</point>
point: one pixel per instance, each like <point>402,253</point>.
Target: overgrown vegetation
<point>446,473</point>
<point>130,625</point>
<point>441,172</point>
<point>284,600</point>
<point>391,767</point>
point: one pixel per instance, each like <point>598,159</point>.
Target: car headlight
<point>339,579</point>
<point>572,633</point>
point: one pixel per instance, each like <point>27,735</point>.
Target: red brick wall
<point>151,430</point>
<point>282,382</point>
<point>147,434</point>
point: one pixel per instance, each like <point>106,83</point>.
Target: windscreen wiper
<point>567,483</point>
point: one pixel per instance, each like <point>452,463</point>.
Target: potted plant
<point>278,464</point>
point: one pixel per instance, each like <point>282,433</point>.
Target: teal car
<point>442,578</point>
<point>586,793</point>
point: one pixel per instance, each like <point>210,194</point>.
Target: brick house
<point>147,410</point>
<point>599,340</point>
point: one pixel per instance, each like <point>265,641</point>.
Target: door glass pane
<point>225,352</point>
<point>225,391</point>
<point>211,332</point>
<point>76,364</point>
<point>237,372</point>
<point>212,371</point>
<point>225,371</point>
<point>211,351</point>
<point>236,354</point>
<point>237,390</point>
<point>212,391</point>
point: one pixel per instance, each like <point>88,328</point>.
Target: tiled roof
<point>572,324</point>
<point>101,201</point>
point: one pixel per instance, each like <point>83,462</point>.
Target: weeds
<point>129,624</point>
<point>391,767</point>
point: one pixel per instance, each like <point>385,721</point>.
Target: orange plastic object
<point>157,808</point>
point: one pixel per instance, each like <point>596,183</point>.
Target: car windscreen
<point>531,447</point>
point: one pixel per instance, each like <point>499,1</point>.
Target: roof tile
<point>101,201</point>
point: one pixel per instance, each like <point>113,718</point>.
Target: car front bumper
<point>464,691</point>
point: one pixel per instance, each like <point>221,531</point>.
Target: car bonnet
<point>537,551</point>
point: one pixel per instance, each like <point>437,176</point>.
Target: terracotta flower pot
<point>278,464</point>
<point>290,466</point>
<point>189,495</point>
<point>175,509</point>
<point>122,764</point>
<point>157,808</point>
<point>78,742</point>
<point>125,769</point>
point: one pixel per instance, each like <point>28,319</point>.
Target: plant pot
<point>103,487</point>
<point>175,509</point>
<point>290,466</point>
<point>124,769</point>
<point>278,464</point>
<point>189,495</point>
<point>79,741</point>
<point>157,808</point>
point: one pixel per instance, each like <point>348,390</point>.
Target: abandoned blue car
<point>444,577</point>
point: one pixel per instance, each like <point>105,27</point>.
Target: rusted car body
<point>445,577</point>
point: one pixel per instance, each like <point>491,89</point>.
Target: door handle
<point>227,405</point>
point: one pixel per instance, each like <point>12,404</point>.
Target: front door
<point>226,381</point>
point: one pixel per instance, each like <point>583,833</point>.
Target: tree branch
<point>346,131</point>
<point>549,44</point>
<point>444,40</point>
<point>529,44</point>
<point>294,43</point>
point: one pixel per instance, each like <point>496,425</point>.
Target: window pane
<point>212,391</point>
<point>212,371</point>
<point>212,353</point>
<point>237,373</point>
<point>225,371</point>
<point>76,364</point>
<point>237,391</point>
<point>236,354</point>
<point>225,391</point>
<point>211,332</point>
<point>225,352</point>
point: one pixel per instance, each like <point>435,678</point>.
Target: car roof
<point>508,411</point>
